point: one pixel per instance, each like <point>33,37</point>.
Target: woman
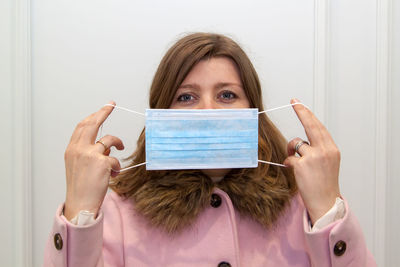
<point>264,216</point>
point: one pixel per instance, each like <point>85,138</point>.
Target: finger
<point>92,123</point>
<point>323,134</point>
<point>302,150</point>
<point>107,152</point>
<point>108,141</point>
<point>291,161</point>
<point>311,124</point>
<point>76,133</point>
<point>115,166</point>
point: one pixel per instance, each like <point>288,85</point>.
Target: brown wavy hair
<point>174,67</point>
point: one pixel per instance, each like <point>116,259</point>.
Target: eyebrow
<point>218,85</point>
<point>190,85</point>
<point>221,85</point>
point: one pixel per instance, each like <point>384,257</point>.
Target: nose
<point>207,102</point>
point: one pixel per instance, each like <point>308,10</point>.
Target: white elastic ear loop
<point>273,109</point>
<point>261,161</point>
<point>129,110</point>
<point>272,163</point>
<point>143,163</point>
<point>132,111</point>
<point>131,167</point>
<point>285,106</point>
<point>265,111</point>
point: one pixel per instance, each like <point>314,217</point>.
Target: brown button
<point>224,264</point>
<point>215,201</point>
<point>58,242</point>
<point>340,248</point>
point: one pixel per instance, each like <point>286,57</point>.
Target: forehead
<point>215,69</point>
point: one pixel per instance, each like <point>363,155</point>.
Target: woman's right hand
<point>88,165</point>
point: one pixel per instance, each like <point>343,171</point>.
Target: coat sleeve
<point>69,245</point>
<point>339,244</point>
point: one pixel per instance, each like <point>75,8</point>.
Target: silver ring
<point>299,144</point>
<point>105,147</point>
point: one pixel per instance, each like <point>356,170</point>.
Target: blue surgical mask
<point>201,139</point>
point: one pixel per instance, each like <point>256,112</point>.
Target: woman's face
<point>211,84</point>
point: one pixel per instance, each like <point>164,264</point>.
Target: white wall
<point>393,185</point>
<point>352,107</point>
<point>6,133</point>
<point>80,54</point>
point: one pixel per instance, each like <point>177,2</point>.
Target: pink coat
<point>121,237</point>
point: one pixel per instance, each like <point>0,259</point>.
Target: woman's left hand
<point>317,169</point>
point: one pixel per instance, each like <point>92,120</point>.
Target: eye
<point>227,95</point>
<point>185,98</point>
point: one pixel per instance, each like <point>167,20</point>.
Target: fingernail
<point>114,173</point>
<point>295,100</point>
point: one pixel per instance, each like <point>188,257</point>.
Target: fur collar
<point>173,202</point>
